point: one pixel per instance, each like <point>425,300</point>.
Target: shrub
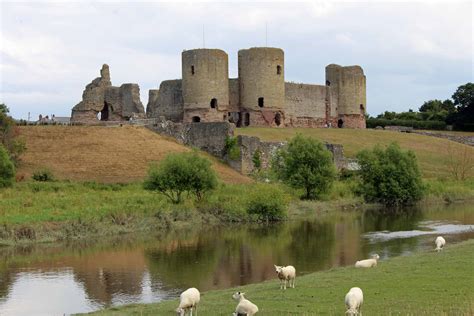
<point>305,163</point>
<point>7,169</point>
<point>43,175</point>
<point>268,203</point>
<point>256,160</point>
<point>232,149</point>
<point>390,176</point>
<point>180,173</point>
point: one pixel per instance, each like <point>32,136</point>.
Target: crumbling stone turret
<point>103,102</point>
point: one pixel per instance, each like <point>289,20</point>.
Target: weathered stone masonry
<point>111,103</point>
<point>211,137</point>
<point>259,96</point>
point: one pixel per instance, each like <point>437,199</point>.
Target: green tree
<point>7,169</point>
<point>9,135</point>
<point>464,101</point>
<point>181,173</point>
<point>390,176</point>
<point>305,163</point>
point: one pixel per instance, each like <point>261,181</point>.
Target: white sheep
<point>354,299</point>
<point>188,300</point>
<point>440,242</point>
<point>368,263</point>
<point>244,307</point>
<point>286,274</point>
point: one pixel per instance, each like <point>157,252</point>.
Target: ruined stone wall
<point>210,137</point>
<point>205,77</point>
<point>92,98</point>
<point>250,144</point>
<point>261,75</point>
<point>113,103</point>
<point>234,97</point>
<point>307,105</point>
<point>167,101</point>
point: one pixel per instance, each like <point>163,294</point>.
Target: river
<point>89,275</point>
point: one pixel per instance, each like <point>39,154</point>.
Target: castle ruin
<point>258,97</point>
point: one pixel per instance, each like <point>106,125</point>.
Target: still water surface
<point>86,276</point>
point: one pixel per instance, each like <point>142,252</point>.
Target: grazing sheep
<point>440,242</point>
<point>368,263</point>
<point>354,300</point>
<point>244,307</point>
<point>286,274</point>
<point>188,300</point>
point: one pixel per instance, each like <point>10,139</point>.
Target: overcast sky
<point>410,52</point>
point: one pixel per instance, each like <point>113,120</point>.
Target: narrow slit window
<point>260,102</point>
<point>278,70</point>
<point>192,70</point>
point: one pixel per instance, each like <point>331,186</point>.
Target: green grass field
<point>427,283</point>
<point>433,153</point>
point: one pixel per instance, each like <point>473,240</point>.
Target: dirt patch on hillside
<point>103,154</point>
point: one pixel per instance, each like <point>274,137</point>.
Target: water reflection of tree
<point>386,219</point>
<point>312,245</point>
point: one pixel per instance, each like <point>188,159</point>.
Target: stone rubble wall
<point>211,137</point>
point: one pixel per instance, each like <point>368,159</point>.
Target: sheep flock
<point>353,300</point>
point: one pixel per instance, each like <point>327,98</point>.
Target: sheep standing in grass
<point>354,300</point>
<point>440,242</point>
<point>286,274</point>
<point>368,263</point>
<point>188,300</point>
<point>244,307</point>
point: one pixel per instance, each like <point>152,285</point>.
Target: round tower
<point>262,85</point>
<point>205,85</point>
<point>349,88</point>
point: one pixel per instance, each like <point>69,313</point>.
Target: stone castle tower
<point>258,97</point>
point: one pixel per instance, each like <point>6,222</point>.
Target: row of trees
<point>389,176</point>
<point>435,114</point>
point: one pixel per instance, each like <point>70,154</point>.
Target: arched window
<point>260,102</point>
<point>196,119</point>
<point>213,103</point>
<point>278,70</point>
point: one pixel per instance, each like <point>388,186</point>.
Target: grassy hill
<point>433,153</point>
<point>102,154</point>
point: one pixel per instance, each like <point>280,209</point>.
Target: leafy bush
<point>305,163</point>
<point>43,175</point>
<point>268,203</point>
<point>180,173</point>
<point>390,176</point>
<point>256,160</point>
<point>7,169</point>
<point>232,149</point>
